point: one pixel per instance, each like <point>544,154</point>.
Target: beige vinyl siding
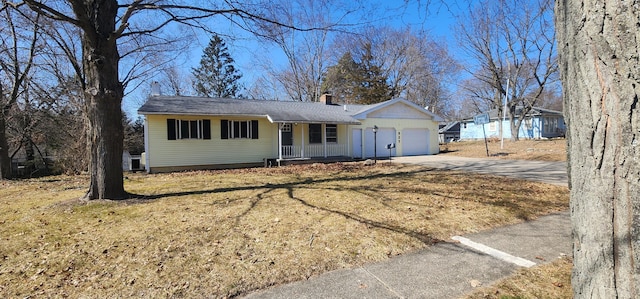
<point>184,152</point>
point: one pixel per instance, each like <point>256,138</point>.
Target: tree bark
<point>515,122</point>
<point>103,97</point>
<point>600,71</point>
<point>5,160</point>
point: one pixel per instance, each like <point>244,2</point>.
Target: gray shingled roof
<point>275,111</point>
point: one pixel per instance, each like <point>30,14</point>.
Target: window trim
<point>493,126</point>
<point>331,136</point>
<point>315,134</point>
<point>179,129</point>
<point>238,129</point>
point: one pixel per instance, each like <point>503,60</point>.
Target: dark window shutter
<point>224,129</point>
<point>206,129</point>
<point>171,129</point>
<point>254,129</point>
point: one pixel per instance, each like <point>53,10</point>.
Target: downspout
<point>147,167</point>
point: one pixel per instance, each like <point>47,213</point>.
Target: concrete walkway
<point>451,269</point>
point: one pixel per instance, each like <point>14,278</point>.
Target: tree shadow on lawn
<point>368,190</point>
<point>424,238</point>
<point>301,184</point>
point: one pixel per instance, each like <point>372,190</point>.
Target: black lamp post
<point>375,144</point>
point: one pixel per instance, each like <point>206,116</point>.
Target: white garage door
<point>415,142</point>
<point>384,137</point>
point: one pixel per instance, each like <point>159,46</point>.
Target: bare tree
<point>304,50</point>
<point>18,49</point>
<point>513,42</point>
<point>105,23</point>
<point>599,59</point>
<point>415,65</point>
<point>176,82</point>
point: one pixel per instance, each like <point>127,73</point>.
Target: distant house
<point>203,133</point>
<point>449,132</point>
<point>538,123</point>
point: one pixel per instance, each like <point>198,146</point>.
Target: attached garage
<point>383,137</point>
<point>413,129</point>
<point>415,141</point>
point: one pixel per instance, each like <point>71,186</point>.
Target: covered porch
<point>305,141</point>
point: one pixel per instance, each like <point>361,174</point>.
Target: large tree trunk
<point>600,71</point>
<point>103,97</point>
<point>515,123</point>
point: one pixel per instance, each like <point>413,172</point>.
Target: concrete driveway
<point>451,269</point>
<point>546,172</point>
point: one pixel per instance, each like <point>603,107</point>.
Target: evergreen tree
<point>373,87</point>
<point>357,82</point>
<point>217,76</point>
<point>341,79</point>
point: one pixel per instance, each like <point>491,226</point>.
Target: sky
<point>437,19</point>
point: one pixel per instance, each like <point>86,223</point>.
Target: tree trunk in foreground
<point>600,71</point>
<point>103,97</point>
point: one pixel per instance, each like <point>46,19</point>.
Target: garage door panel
<point>415,142</point>
<point>384,137</point>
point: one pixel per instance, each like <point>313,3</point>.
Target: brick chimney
<point>325,99</point>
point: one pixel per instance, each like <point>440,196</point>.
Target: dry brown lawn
<point>542,150</point>
<point>551,280</point>
<point>226,233</point>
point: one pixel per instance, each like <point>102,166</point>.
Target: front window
<point>331,133</point>
<point>548,124</point>
<point>315,133</point>
<point>493,126</point>
<point>188,129</point>
<point>239,129</point>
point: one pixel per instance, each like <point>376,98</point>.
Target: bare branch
<point>50,12</point>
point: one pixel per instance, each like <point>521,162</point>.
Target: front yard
<point>227,233</point>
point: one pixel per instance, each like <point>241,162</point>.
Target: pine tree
<point>340,79</point>
<point>357,82</point>
<point>373,87</point>
<point>217,76</point>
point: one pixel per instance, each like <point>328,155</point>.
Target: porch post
<point>324,138</point>
<point>302,141</point>
<point>279,141</point>
<point>349,135</point>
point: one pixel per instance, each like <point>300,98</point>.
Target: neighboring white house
<point>204,133</point>
<point>538,123</point>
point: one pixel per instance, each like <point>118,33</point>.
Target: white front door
<point>357,142</point>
